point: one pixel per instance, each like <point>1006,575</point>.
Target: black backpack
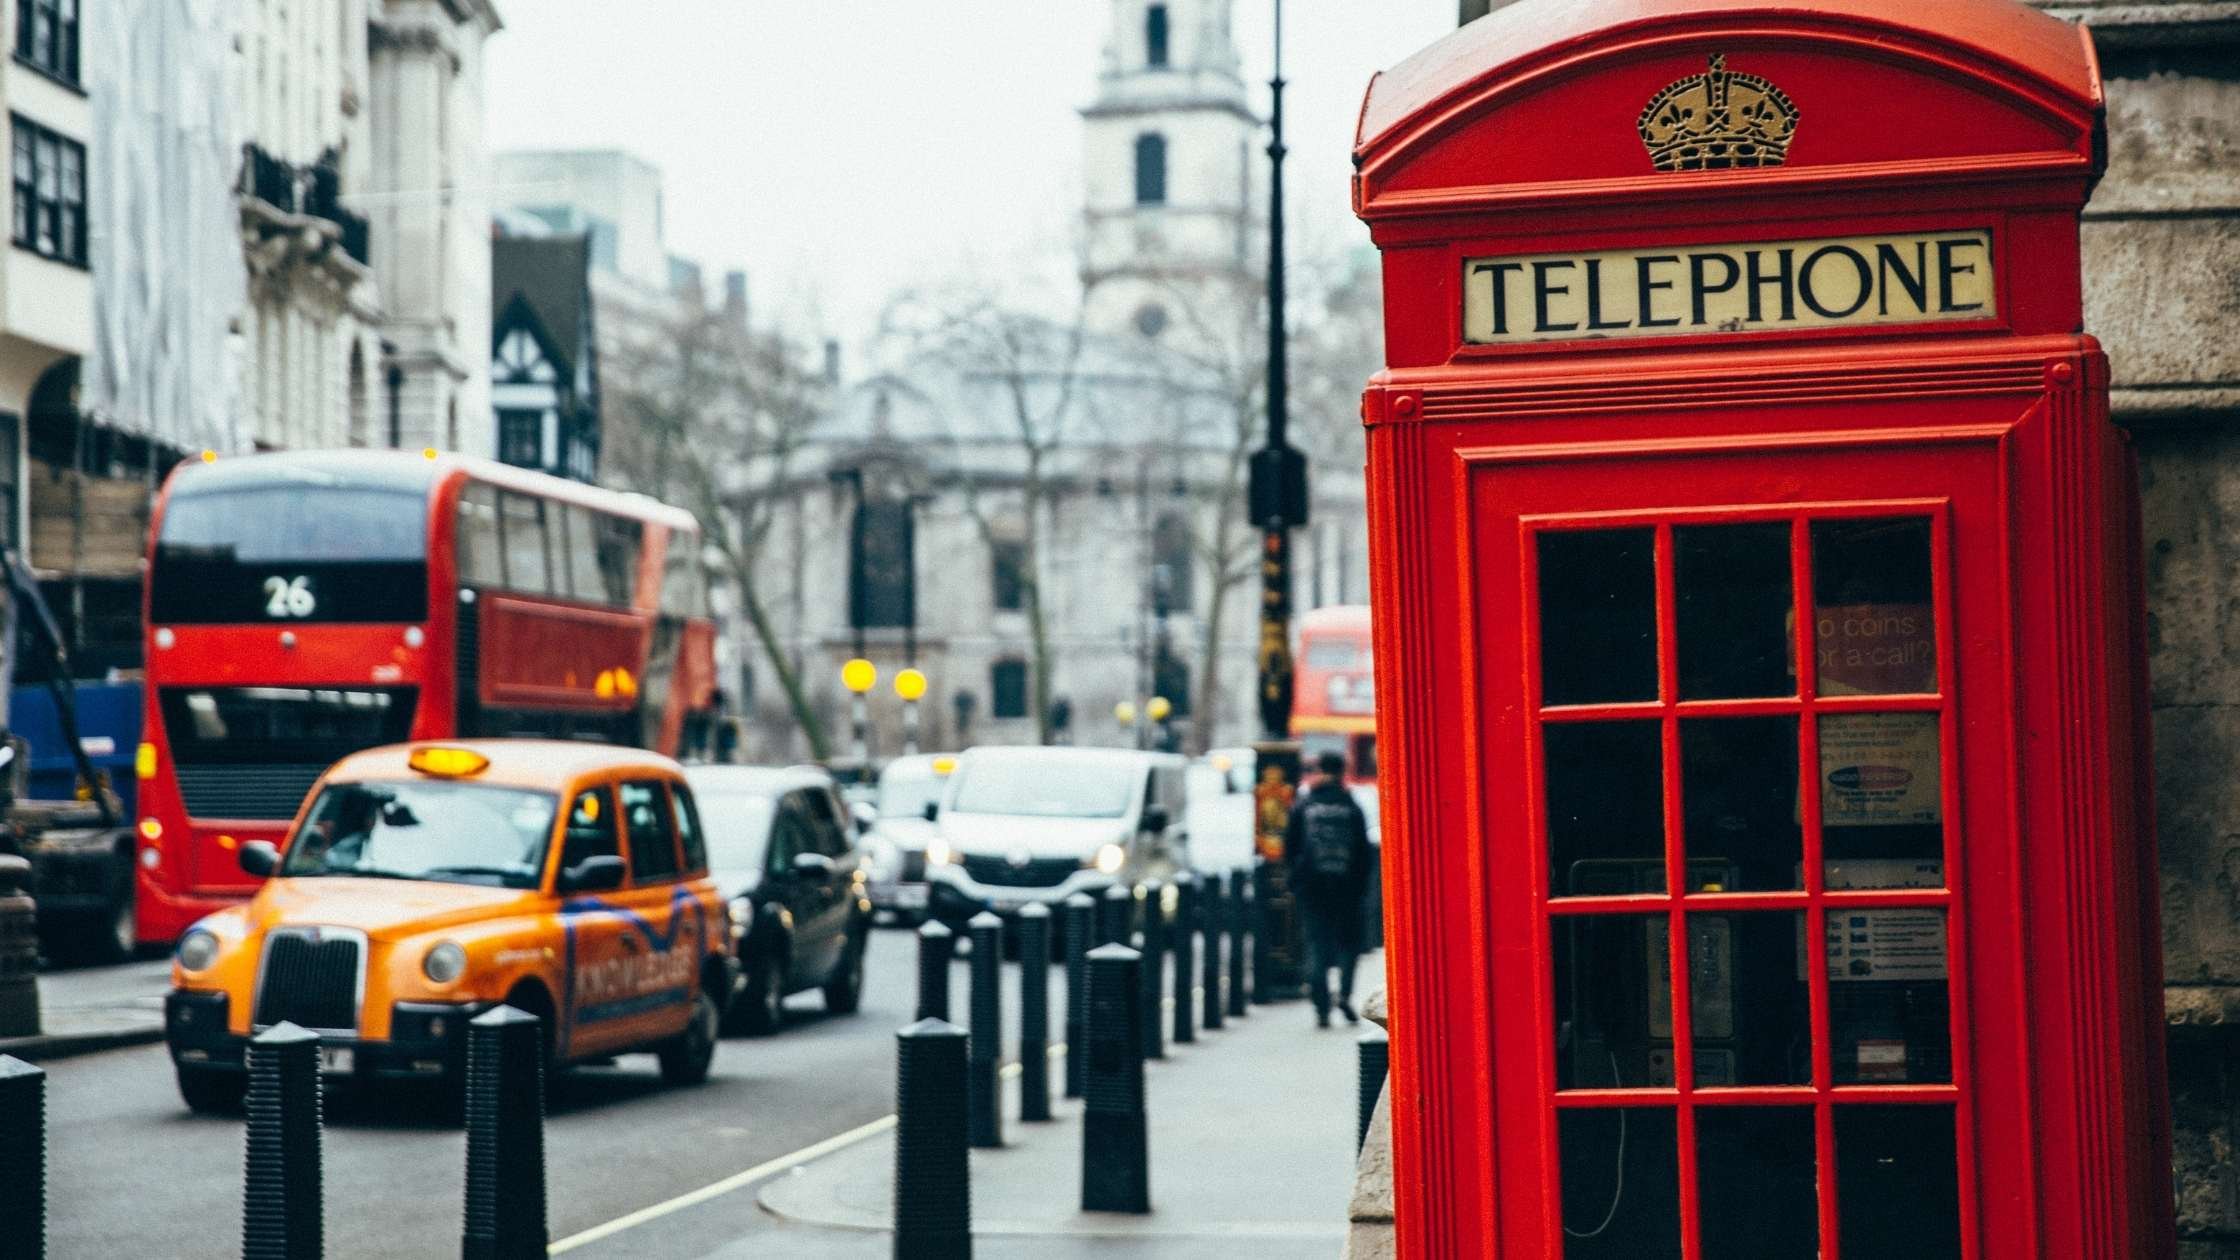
<point>1328,834</point>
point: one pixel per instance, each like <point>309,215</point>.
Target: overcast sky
<point>841,149</point>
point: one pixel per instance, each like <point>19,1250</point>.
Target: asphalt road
<point>132,1173</point>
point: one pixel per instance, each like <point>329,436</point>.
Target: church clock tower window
<point>1155,37</point>
<point>1151,169</point>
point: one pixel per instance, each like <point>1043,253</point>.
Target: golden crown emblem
<point>1717,120</point>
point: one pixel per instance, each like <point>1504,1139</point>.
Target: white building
<point>1134,496</point>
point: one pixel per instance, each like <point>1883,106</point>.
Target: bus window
<point>684,588</point>
<point>481,561</point>
<point>521,521</point>
<point>556,545</point>
<point>582,556</point>
<point>619,540</point>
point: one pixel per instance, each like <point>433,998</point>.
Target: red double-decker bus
<point>302,606</point>
<point>1334,693</point>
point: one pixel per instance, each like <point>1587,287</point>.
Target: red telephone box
<point>1756,586</point>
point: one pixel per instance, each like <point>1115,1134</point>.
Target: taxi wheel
<point>213,1093</point>
<point>686,1057</point>
<point>760,1006</point>
<point>843,992</point>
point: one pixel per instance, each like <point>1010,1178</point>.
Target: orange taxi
<point>425,883</point>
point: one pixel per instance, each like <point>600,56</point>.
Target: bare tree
<point>711,417</point>
<point>1027,367</point>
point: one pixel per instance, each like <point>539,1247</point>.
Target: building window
<point>884,591</point>
<point>10,494</point>
<point>1155,36</point>
<point>521,438</point>
<point>47,36</point>
<point>1007,684</point>
<point>1009,557</point>
<point>50,193</point>
<point>1151,169</point>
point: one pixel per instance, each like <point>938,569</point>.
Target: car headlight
<point>198,949</point>
<point>742,917</point>
<point>445,963</point>
<point>937,852</point>
<point>1110,859</point>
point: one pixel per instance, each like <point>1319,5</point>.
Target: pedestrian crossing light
<point>1158,709</point>
<point>1124,713</point>
<point>910,684</point>
<point>859,675</point>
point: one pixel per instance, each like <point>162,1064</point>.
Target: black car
<point>782,849</point>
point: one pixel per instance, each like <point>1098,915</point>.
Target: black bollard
<point>1034,1011</point>
<point>1213,923</point>
<point>936,945</point>
<point>932,1171</point>
<point>1114,915</point>
<point>1115,1141</point>
<point>19,950</point>
<point>1376,1056</point>
<point>1185,958</point>
<point>1153,974</point>
<point>280,1210</point>
<point>23,1160</point>
<point>1080,925</point>
<point>983,1101</point>
<point>1240,939</point>
<point>505,1215</point>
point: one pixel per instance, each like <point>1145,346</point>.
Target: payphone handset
<point>1618,1028</point>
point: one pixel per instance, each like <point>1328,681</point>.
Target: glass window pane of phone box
<point>1598,616</point>
<point>1734,612</point>
<point>1605,807</point>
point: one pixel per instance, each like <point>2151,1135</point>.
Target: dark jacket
<point>1321,893</point>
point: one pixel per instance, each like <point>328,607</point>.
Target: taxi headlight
<point>198,949</point>
<point>937,852</point>
<point>1110,859</point>
<point>445,963</point>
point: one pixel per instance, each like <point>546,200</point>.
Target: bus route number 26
<point>289,597</point>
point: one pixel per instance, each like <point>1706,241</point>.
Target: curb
<point>48,1047</point>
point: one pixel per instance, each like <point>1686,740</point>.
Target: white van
<point>1021,824</point>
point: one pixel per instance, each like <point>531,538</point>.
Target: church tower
<point>1170,240</point>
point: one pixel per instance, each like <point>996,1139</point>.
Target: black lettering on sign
<point>1649,288</point>
<point>1699,290</point>
<point>1809,290</point>
<point>1783,281</point>
<point>1500,272</point>
<point>1542,291</point>
<point>1595,322</point>
<point>1890,265</point>
<point>1948,270</point>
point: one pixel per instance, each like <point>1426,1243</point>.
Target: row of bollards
<point>1116,951</point>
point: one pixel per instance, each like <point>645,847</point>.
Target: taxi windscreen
<point>461,833</point>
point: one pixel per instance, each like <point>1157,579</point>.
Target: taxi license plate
<point>338,1059</point>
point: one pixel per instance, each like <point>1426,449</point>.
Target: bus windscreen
<point>291,552</point>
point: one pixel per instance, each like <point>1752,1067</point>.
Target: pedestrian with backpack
<point>1326,846</point>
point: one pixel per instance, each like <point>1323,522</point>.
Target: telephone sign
<point>1760,694</point>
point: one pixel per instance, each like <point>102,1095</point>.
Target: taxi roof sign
<point>448,763</point>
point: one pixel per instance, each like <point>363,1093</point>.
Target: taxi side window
<point>790,833</point>
<point>653,838</point>
<point>688,829</point>
<point>591,830</point>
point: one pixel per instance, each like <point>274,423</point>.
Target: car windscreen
<point>292,551</point>
<point>738,829</point>
<point>461,833</point>
<point>1046,787</point>
<point>907,795</point>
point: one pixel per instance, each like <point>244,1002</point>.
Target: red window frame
<point>1814,900</point>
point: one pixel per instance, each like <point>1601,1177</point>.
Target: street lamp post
<point>910,684</point>
<point>859,676</point>
<point>1278,501</point>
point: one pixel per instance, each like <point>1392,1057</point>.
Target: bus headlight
<point>742,917</point>
<point>198,949</point>
<point>937,852</point>
<point>445,963</point>
<point>1110,859</point>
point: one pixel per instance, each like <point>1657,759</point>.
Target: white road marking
<point>747,1177</point>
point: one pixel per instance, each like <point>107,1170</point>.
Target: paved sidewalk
<point>96,1008</point>
<point>1251,1142</point>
